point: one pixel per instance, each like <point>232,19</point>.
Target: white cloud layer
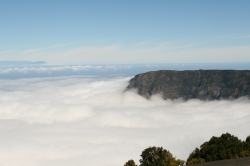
<point>46,69</point>
<point>90,121</point>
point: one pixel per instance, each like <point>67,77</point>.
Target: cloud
<point>139,53</point>
<point>77,120</point>
<point>29,71</point>
<point>48,69</point>
<point>34,50</point>
<point>6,52</point>
<point>180,51</point>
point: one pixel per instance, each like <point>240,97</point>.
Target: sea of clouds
<point>83,120</point>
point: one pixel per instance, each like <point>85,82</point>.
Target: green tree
<point>195,161</point>
<point>246,152</point>
<point>130,163</point>
<point>157,156</point>
<point>226,146</point>
<point>247,143</point>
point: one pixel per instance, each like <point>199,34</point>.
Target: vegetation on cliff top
<point>226,146</point>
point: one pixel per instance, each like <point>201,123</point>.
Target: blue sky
<point>112,31</point>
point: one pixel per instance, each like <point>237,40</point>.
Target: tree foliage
<point>224,147</point>
<point>130,163</point>
<point>195,161</point>
<point>157,156</point>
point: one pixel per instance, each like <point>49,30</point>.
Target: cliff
<point>200,84</point>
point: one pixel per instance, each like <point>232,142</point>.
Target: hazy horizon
<point>27,69</point>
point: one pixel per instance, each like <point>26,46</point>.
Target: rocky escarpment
<point>200,84</point>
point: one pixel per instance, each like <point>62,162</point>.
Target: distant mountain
<point>190,84</point>
<point>22,63</point>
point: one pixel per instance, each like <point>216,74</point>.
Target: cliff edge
<point>190,84</point>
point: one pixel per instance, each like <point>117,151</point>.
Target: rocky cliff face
<point>201,84</point>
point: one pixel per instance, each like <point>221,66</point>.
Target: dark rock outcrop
<point>200,84</point>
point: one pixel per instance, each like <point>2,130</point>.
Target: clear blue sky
<point>125,31</point>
